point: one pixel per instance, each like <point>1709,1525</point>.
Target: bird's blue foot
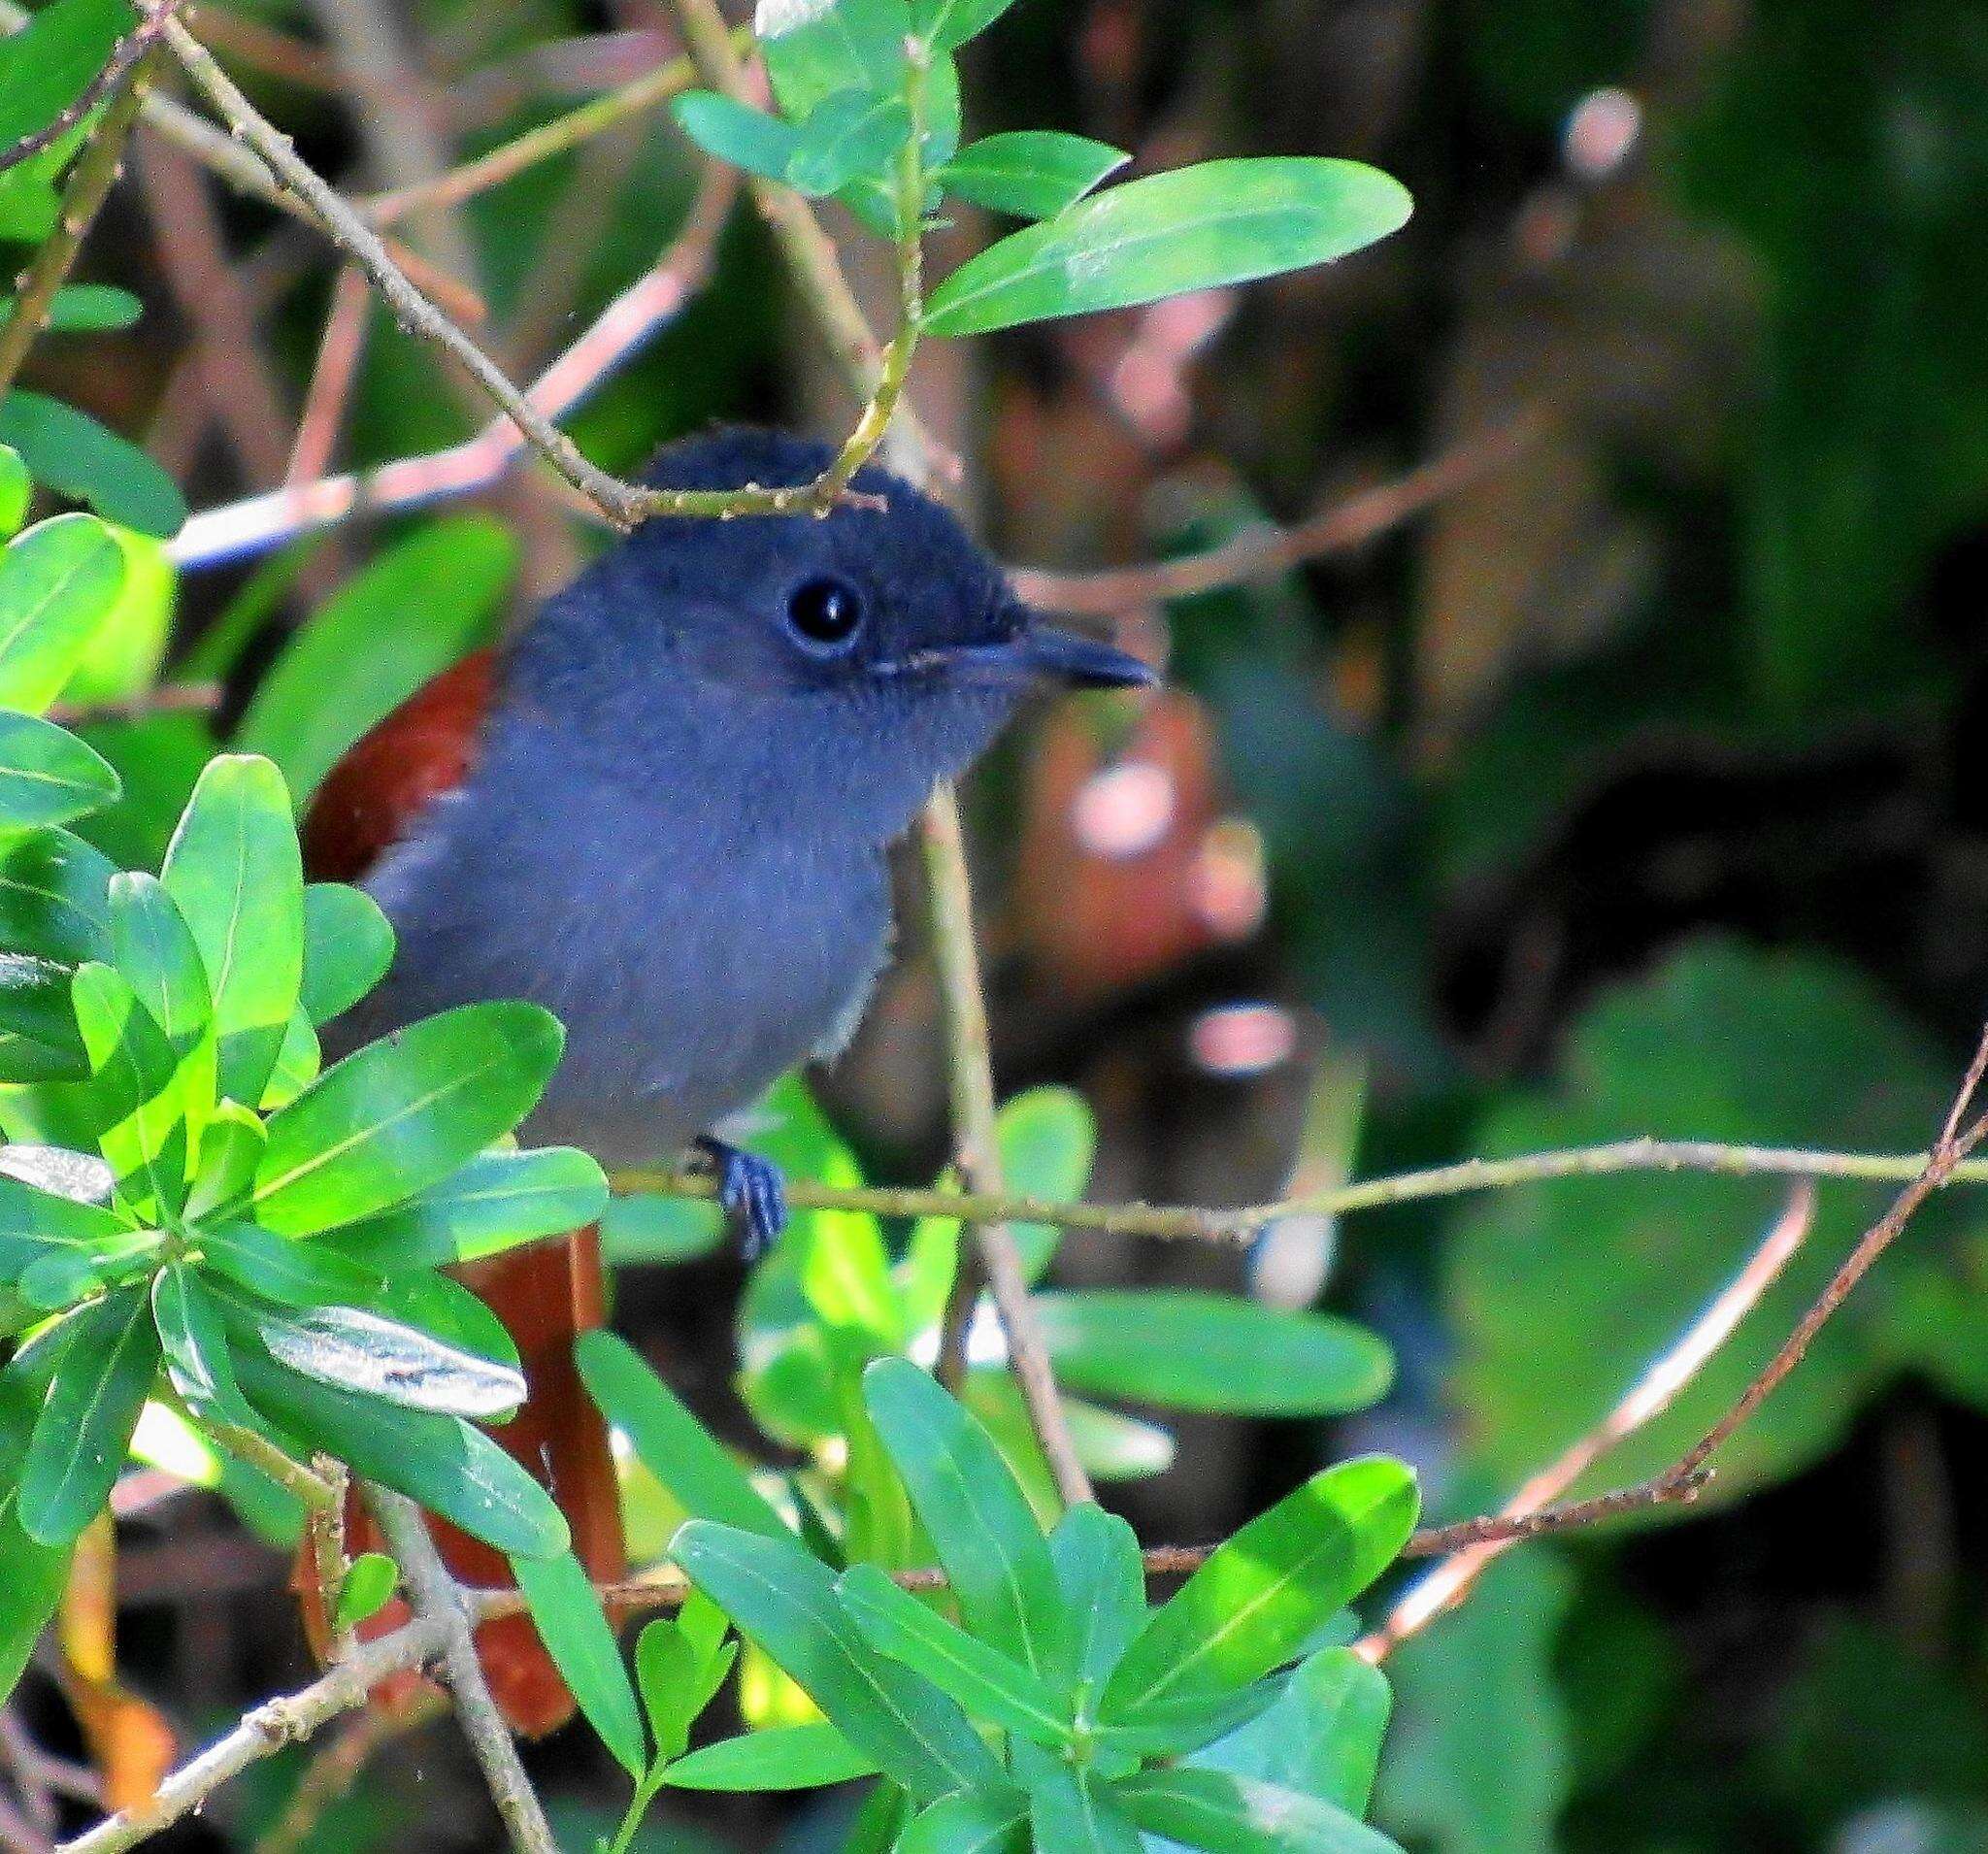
<point>750,1190</point>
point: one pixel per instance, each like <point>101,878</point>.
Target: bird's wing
<point>546,1292</point>
<point>370,799</point>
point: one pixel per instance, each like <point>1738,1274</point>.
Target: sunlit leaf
<point>366,1589</point>
<point>57,582</point>
<point>782,1757</point>
<point>1239,1815</point>
<point>494,1202</point>
<point>47,775</point>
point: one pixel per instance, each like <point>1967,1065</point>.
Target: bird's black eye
<point>825,614</point>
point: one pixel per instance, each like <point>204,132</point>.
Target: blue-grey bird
<point>664,814</point>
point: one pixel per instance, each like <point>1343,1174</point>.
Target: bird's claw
<point>753,1198</point>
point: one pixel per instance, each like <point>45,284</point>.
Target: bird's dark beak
<point>1083,663</point>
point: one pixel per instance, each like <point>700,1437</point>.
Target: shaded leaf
<point>134,1077</point>
<point>782,1757</point>
<point>348,948</point>
<point>1101,1576</point>
<point>71,452</point>
<point>81,1437</point>
<point>736,132</point>
<point>575,1632</point>
<point>1239,1815</point>
<point>1031,173</point>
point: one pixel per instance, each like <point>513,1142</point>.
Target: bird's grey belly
<point>679,1014</point>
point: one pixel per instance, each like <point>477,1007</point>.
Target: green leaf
<point>982,1525</point>
<point>16,491</point>
<point>79,308</point>
<point>1196,228</point>
<point>39,1040</point>
<point>192,1332</point>
<point>1266,1590</point>
<point>849,136</point>
<point>34,1222</point>
<point>1186,1722</point>
<point>298,1059</point>
<point>422,605</point>
<point>284,1269</point>
<point>944,24</point>
<point>47,65</point>
<point>1238,1815</point>
<point>368,1586</point>
<point>348,948</point>
<point>575,1629</point>
<point>1075,1811</point>
<point>994,1687</point>
<point>58,581</point>
<point>1031,173</point>
<point>230,1147</point>
<point>494,1202</point>
<point>1212,1352</point>
<point>736,132</point>
<point>401,1115</point>
<point>235,873</point>
<point>351,1349</point>
<point>154,952</point>
<point>1321,1736</point>
<point>440,1461</point>
<point>32,1577</point>
<point>667,1675</point>
<point>447,1310</point>
<point>854,45</point>
<point>669,1440</point>
<point>135,1079</point>
<point>1101,1576</point>
<point>979,1821</point>
<point>56,1281</point>
<point>785,1602</point>
<point>55,897</point>
<point>85,1428</point>
<point>47,775</point>
<point>71,452</point>
<point>782,1757</point>
<point>121,662</point>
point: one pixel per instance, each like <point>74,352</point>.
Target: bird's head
<point>878,645</point>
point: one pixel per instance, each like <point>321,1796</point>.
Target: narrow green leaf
<point>16,491</point>
<point>1075,1811</point>
<point>1211,1352</point>
<point>421,605</point>
<point>782,1757</point>
<point>1196,228</point>
<point>449,1311</point>
<point>368,1586</point>
<point>32,1577</point>
<point>1264,1591</point>
<point>1101,1576</point>
<point>812,52</point>
<point>1238,1815</point>
<point>32,1221</point>
<point>850,136</point>
<point>57,584</point>
<point>39,1040</point>
<point>348,948</point>
<point>351,1349</point>
<point>85,1428</point>
<point>1188,1721</point>
<point>83,308</point>
<point>982,1525</point>
<point>736,132</point>
<point>669,1440</point>
<point>58,1280</point>
<point>1031,173</point>
<point>994,1687</point>
<point>785,1601</point>
<point>575,1632</point>
<point>494,1202</point>
<point>135,1077</point>
<point>234,870</point>
<point>440,1461</point>
<point>667,1669</point>
<point>155,950</point>
<point>401,1115</point>
<point>284,1269</point>
<point>298,1059</point>
<point>72,454</point>
<point>979,1821</point>
<point>47,775</point>
<point>193,1335</point>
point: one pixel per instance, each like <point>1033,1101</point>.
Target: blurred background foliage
<point>1627,791</point>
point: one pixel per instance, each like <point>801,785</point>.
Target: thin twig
<point>977,1153</point>
<point>1653,1393</point>
<point>1187,1223</point>
<point>90,183</point>
<point>336,367</point>
<point>266,1730</point>
<point>236,529</point>
<point>1262,553</point>
<point>435,1596</point>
